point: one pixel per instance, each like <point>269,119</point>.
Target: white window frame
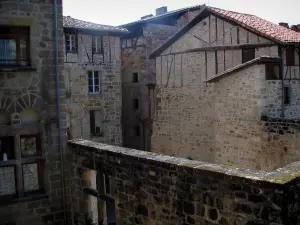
<point>94,85</point>
<point>97,41</point>
<point>72,40</point>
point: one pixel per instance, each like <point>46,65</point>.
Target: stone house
<point>32,119</point>
<point>145,36</point>
<point>92,72</point>
<point>227,91</point>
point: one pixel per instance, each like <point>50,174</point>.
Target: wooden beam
<point>223,47</point>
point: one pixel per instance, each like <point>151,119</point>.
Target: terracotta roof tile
<point>75,23</point>
<point>261,26</point>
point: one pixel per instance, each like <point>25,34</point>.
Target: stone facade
<point>107,100</point>
<point>31,188</point>
<point>221,121</point>
<point>157,189</point>
<point>136,48</point>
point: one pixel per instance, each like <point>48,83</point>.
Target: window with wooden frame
<point>14,46</point>
<point>290,56</point>
<point>96,123</point>
<point>248,54</point>
<point>21,166</point>
<point>93,82</point>
<point>98,44</point>
<point>273,71</point>
<point>71,42</point>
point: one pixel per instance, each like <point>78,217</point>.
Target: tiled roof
<point>71,22</point>
<point>261,26</point>
<point>170,13</point>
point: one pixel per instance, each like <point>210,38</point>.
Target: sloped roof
<point>167,14</point>
<point>262,59</point>
<point>253,23</point>
<point>70,22</point>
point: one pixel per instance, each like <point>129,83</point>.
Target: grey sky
<point>117,12</point>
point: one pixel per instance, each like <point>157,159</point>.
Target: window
<point>93,82</point>
<point>135,78</point>
<point>137,131</point>
<point>290,56</point>
<point>21,166</point>
<point>97,44</point>
<point>71,43</point>
<point>96,123</point>
<point>14,46</point>
<point>286,95</point>
<point>135,104</point>
<point>273,71</point>
<point>248,54</point>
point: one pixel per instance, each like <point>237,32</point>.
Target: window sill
<point>93,94</point>
<point>9,200</point>
<point>16,68</point>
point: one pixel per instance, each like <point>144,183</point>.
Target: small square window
<point>248,54</point>
<point>287,95</point>
<point>273,71</point>
<point>135,104</point>
<point>135,78</point>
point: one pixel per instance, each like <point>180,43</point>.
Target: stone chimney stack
<point>161,10</point>
<point>286,25</point>
<point>296,27</point>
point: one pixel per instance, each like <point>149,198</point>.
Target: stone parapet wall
<point>158,189</point>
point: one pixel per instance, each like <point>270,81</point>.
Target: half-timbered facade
<point>93,80</point>
<point>228,91</point>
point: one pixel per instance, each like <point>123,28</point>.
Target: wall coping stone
<point>279,176</point>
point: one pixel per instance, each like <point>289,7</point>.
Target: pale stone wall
<point>221,122</point>
<point>108,101</point>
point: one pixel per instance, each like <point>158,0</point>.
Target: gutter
<point>61,149</point>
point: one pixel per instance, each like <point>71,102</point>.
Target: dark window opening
<point>290,57</point>
<point>71,43</point>
<point>135,78</point>
<point>14,46</point>
<point>287,96</point>
<point>273,72</point>
<point>7,148</point>
<point>135,103</point>
<point>248,54</point>
<point>95,123</point>
<point>97,44</point>
<point>137,131</point>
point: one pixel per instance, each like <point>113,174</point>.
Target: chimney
<point>147,16</point>
<point>296,27</point>
<point>286,25</point>
<point>161,10</point>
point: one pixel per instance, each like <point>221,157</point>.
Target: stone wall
<point>157,189</point>
<point>29,105</point>
<point>108,101</point>
<point>221,122</point>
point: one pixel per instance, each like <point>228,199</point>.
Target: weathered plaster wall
<point>220,122</point>
<point>108,101</point>
<point>25,92</point>
<point>157,189</point>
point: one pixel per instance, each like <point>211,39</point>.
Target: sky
<point>117,12</point>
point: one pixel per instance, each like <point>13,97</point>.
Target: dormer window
<point>14,46</point>
<point>71,43</point>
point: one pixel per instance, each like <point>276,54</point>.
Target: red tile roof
<point>260,26</point>
<point>70,22</point>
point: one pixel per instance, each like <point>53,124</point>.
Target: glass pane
<point>28,146</point>
<point>96,89</point>
<point>23,51</point>
<point>7,148</point>
<point>8,52</point>
<point>30,176</point>
<point>90,81</point>
<point>91,89</point>
<point>7,181</point>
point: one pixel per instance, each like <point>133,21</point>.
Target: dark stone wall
<point>163,190</point>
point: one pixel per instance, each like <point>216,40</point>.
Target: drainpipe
<point>282,79</point>
<point>61,150</point>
